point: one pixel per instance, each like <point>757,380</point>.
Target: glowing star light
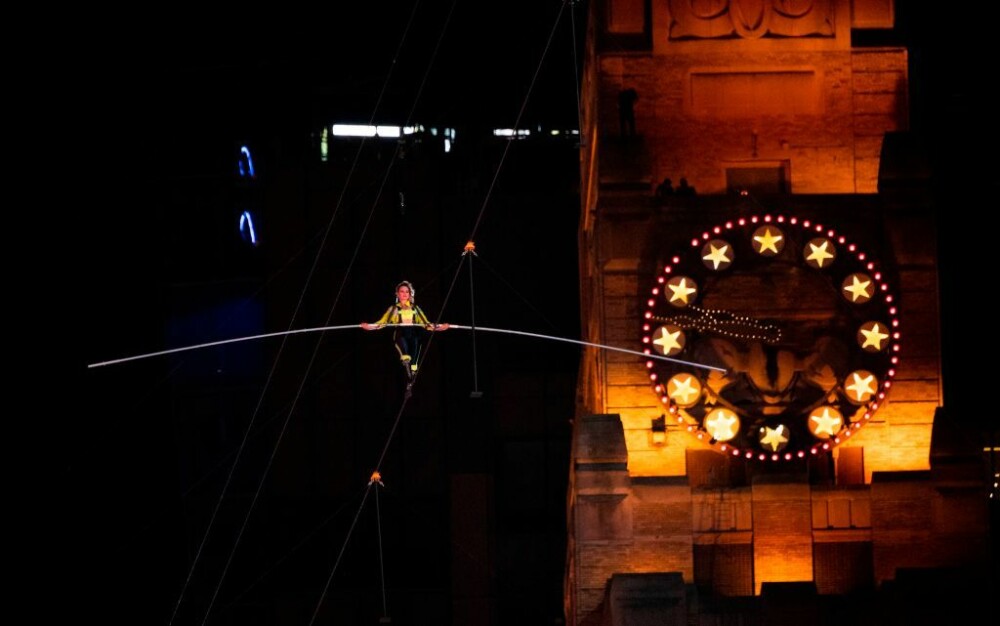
<point>774,439</point>
<point>717,253</point>
<point>669,340</point>
<point>862,386</point>
<point>681,288</point>
<point>818,252</point>
<point>722,424</point>
<point>766,242</point>
<point>684,389</point>
<point>859,290</point>
<point>825,423</point>
<point>871,337</point>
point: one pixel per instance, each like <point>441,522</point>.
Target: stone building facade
<point>765,109</point>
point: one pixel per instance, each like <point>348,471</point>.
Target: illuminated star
<point>826,424</point>
<point>679,389</point>
<point>681,291</point>
<point>722,424</point>
<point>873,337</point>
<point>774,438</point>
<point>667,341</point>
<point>768,241</point>
<point>819,254</point>
<point>862,387</point>
<point>717,256</point>
<point>859,289</point>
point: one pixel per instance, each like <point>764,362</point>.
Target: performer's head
<point>405,292</point>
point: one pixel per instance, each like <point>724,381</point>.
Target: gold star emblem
<point>826,423</point>
<point>681,288</point>
<point>669,340</point>
<point>774,438</point>
<point>722,424</point>
<point>684,389</point>
<point>766,242</point>
<point>860,288</point>
<point>819,251</point>
<point>717,253</point>
<point>862,386</point>
<point>871,337</point>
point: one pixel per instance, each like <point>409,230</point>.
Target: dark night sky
<point>164,107</point>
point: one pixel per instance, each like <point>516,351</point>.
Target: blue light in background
<point>246,163</point>
<point>247,231</point>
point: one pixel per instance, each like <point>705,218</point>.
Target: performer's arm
<point>426,323</point>
<point>381,322</point>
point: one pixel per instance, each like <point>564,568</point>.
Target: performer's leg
<point>399,339</point>
<point>415,346</point>
<point>405,341</point>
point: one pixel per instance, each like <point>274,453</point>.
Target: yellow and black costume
<point>410,324</point>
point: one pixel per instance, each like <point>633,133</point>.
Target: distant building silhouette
<point>664,190</point>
